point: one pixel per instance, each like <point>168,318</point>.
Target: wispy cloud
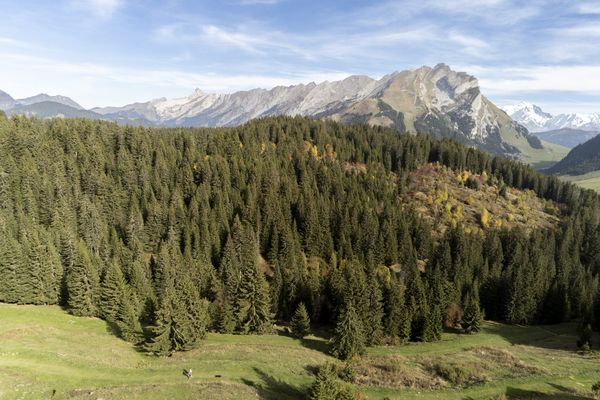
<point>588,8</point>
<point>259,2</point>
<point>89,83</point>
<point>7,41</point>
<point>101,8</point>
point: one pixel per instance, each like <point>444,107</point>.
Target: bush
<point>452,373</point>
<point>348,372</point>
<point>596,388</point>
<point>327,386</point>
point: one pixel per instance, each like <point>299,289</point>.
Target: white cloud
<point>6,41</point>
<point>588,8</point>
<point>101,8</point>
<point>98,85</point>
<point>565,78</point>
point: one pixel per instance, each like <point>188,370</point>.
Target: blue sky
<point>113,52</point>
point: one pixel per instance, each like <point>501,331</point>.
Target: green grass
<point>43,349</point>
<point>546,157</point>
<point>591,180</point>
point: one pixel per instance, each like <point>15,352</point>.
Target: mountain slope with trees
<point>581,159</point>
<point>231,229</point>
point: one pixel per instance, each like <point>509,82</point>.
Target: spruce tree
<point>374,325</point>
<point>127,319</point>
<point>226,321</point>
<point>300,323</point>
<point>348,339</point>
<point>112,290</point>
<point>82,284</point>
<point>328,386</point>
<point>252,302</point>
<point>472,316</point>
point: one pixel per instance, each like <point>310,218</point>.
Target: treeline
<point>170,233</point>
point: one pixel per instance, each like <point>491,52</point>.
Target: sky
<point>115,52</point>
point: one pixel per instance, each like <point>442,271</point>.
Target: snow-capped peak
<point>528,115</point>
<point>536,120</point>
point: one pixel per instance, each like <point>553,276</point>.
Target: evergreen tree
<point>127,320</point>
<point>226,321</point>
<point>112,291</point>
<point>82,284</point>
<point>472,316</point>
<point>300,323</point>
<point>348,339</point>
<point>327,386</point>
<point>374,325</point>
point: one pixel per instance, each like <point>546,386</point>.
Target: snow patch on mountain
<point>536,120</point>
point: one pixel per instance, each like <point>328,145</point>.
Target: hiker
<point>188,373</point>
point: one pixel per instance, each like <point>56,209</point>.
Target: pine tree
<point>226,321</point>
<point>327,386</point>
<point>374,325</point>
<point>348,339</point>
<point>432,329</point>
<point>82,284</point>
<point>112,290</point>
<point>252,302</point>
<point>11,266</point>
<point>300,323</point>
<point>472,316</point>
<point>181,319</point>
<point>127,319</point>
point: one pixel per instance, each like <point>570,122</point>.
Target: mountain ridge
<point>535,119</point>
<point>435,100</point>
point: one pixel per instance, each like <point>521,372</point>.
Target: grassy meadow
<point>591,180</point>
<point>45,353</point>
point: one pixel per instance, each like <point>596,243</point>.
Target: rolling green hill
<point>44,354</point>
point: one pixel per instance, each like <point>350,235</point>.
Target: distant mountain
<point>567,137</point>
<point>50,109</point>
<point>43,97</point>
<point>6,101</point>
<point>536,120</point>
<point>529,115</point>
<point>582,159</point>
<point>437,101</point>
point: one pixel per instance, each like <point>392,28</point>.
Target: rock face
<point>6,101</point>
<point>438,101</point>
<point>536,120</point>
<point>43,97</point>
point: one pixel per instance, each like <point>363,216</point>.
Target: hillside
<point>582,159</point>
<point>567,137</point>
<point>45,354</point>
<point>476,202</point>
<point>51,109</point>
<point>173,234</point>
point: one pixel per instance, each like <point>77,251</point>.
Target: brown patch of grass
<point>393,371</point>
<point>502,358</point>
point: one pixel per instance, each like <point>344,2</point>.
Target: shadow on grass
<point>552,337</point>
<point>270,388</point>
<point>515,393</point>
<point>313,343</point>
<point>316,344</point>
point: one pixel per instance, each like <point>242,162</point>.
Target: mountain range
<point>535,119</point>
<point>438,101</point>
